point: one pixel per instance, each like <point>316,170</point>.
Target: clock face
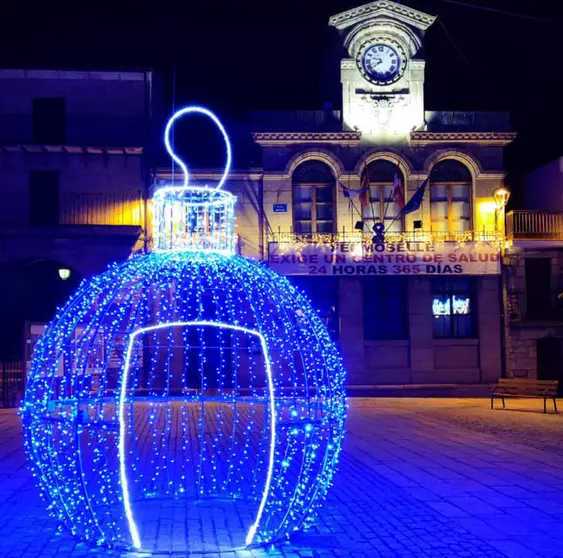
<point>382,63</point>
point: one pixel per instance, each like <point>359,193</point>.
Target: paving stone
<point>418,477</point>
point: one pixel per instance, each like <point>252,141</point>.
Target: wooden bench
<point>516,387</point>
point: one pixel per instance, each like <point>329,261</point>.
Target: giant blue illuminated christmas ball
<point>186,399</point>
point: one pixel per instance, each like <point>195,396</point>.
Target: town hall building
<point>425,305</point>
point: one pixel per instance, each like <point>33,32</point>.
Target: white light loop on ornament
<point>133,529</point>
<point>181,164</point>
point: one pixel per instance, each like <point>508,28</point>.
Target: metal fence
<point>12,383</point>
<point>407,236</point>
<point>106,208</point>
<point>534,225</point>
<point>525,307</point>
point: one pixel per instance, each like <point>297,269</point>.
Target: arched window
<point>381,206</point>
<point>450,197</point>
<point>313,198</point>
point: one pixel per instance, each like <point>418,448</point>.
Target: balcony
<point>111,223</point>
<point>415,236</point>
<point>104,208</point>
<point>530,226</point>
<point>126,208</point>
<point>542,306</point>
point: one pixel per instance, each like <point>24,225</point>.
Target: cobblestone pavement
<point>418,477</point>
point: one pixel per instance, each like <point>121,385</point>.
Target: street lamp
<point>501,196</point>
<point>64,273</point>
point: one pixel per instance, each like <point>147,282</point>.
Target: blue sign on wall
<point>280,208</point>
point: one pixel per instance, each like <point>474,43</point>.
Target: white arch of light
<point>133,529</point>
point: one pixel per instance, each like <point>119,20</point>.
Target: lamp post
<point>501,196</point>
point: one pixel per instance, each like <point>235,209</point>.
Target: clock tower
<point>382,73</point>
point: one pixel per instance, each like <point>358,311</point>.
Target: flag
<point>364,189</point>
<point>416,199</point>
<point>398,194</point>
<point>352,194</point>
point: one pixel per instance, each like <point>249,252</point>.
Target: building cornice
<point>481,138</point>
<point>72,74</point>
<point>266,139</point>
<point>70,149</point>
<point>380,8</point>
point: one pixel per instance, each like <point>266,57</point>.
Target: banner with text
<point>391,258</point>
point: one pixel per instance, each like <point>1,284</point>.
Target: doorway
<point>538,288</point>
<point>549,352</point>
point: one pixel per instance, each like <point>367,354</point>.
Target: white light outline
<point>223,197</point>
<point>197,110</point>
<point>133,531</point>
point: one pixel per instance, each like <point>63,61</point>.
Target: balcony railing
<point>12,380</point>
<point>407,236</point>
<point>126,208</point>
<point>536,306</point>
<point>102,208</point>
<point>534,225</point>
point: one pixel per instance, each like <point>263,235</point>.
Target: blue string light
<point>188,373</point>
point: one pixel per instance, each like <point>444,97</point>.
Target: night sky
<point>238,56</point>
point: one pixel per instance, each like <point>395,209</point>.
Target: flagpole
<point>396,217</point>
<point>389,200</point>
<point>416,199</point>
<point>370,202</point>
<point>350,200</point>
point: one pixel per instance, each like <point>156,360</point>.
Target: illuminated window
<point>385,307</point>
<point>450,197</point>
<point>382,207</point>
<point>313,198</point>
<point>453,307</point>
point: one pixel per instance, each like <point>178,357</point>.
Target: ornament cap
<point>191,218</point>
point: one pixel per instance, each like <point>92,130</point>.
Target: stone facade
<point>387,122</point>
<point>523,330</point>
<point>101,175</point>
<point>73,188</point>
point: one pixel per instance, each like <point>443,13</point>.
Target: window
<point>382,208</point>
<point>313,198</point>
<point>450,197</point>
<point>44,198</point>
<point>49,121</point>
<point>538,288</point>
<point>324,294</point>
<point>385,307</point>
<point>453,307</point>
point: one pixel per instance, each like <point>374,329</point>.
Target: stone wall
<point>102,108</point>
<point>421,359</point>
<point>522,335</point>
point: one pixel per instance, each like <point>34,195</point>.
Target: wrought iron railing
<point>534,225</point>
<point>108,208</point>
<point>541,306</point>
<point>12,383</point>
<point>407,236</point>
